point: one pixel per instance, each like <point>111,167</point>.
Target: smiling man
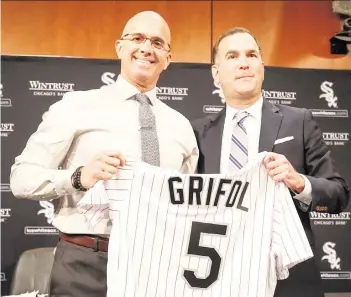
<point>139,65</point>
<point>88,135</point>
<point>250,124</point>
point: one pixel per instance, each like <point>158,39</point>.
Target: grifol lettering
<point>225,189</point>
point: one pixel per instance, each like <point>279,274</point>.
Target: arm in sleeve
<point>35,174</point>
<point>289,242</point>
<point>329,189</point>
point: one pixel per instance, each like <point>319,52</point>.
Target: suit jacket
<point>307,152</point>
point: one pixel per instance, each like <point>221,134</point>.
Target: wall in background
<point>291,33</point>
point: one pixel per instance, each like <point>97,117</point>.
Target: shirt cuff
<point>62,182</point>
<point>305,197</point>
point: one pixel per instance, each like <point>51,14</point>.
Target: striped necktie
<point>238,155</point>
<point>150,152</point>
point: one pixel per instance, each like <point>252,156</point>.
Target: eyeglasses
<point>139,38</point>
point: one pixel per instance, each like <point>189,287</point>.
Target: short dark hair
<point>230,32</point>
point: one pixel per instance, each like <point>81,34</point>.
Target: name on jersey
<point>203,191</point>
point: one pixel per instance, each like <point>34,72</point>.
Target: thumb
<point>270,157</point>
<point>117,155</point>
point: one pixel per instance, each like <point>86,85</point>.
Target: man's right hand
<point>102,167</point>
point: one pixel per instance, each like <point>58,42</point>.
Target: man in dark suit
<point>298,155</point>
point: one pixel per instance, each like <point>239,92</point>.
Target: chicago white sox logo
<point>108,78</point>
<point>334,261</point>
<point>329,94</point>
<point>219,91</point>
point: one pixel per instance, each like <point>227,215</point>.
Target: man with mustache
<point>250,124</point>
<point>88,135</point>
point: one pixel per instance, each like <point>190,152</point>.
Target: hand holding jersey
<point>102,167</point>
<point>281,170</point>
<point>209,235</point>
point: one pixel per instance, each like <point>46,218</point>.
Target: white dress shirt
<point>253,127</point>
<point>84,124</point>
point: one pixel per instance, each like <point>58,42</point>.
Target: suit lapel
<point>212,144</point>
<point>270,125</point>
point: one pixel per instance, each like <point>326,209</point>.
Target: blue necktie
<point>238,154</point>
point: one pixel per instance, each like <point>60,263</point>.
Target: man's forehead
<point>238,42</point>
<point>149,25</point>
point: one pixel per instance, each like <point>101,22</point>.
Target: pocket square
<point>285,139</point>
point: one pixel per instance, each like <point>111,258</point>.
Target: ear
<point>264,69</point>
<point>168,60</point>
<point>215,74</point>
<point>118,47</point>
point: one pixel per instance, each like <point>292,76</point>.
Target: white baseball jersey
<point>179,235</point>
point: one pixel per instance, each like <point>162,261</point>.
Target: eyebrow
<point>249,51</point>
<point>153,37</point>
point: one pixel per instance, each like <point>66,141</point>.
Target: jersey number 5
<point>196,249</point>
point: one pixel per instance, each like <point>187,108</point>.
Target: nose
<point>243,62</point>
<point>146,46</point>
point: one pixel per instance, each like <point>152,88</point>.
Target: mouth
<point>244,77</point>
<point>144,62</point>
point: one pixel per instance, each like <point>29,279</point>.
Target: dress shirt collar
<point>255,110</point>
<point>126,90</point>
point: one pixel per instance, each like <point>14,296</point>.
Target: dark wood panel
<point>90,28</point>
<point>291,33</point>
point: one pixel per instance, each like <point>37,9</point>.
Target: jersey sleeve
<point>105,198</point>
<point>94,205</point>
<point>289,241</point>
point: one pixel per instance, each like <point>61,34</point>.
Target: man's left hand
<point>281,170</point>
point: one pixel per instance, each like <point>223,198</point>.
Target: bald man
<point>88,135</point>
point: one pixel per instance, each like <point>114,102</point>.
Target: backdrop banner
<point>29,85</point>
